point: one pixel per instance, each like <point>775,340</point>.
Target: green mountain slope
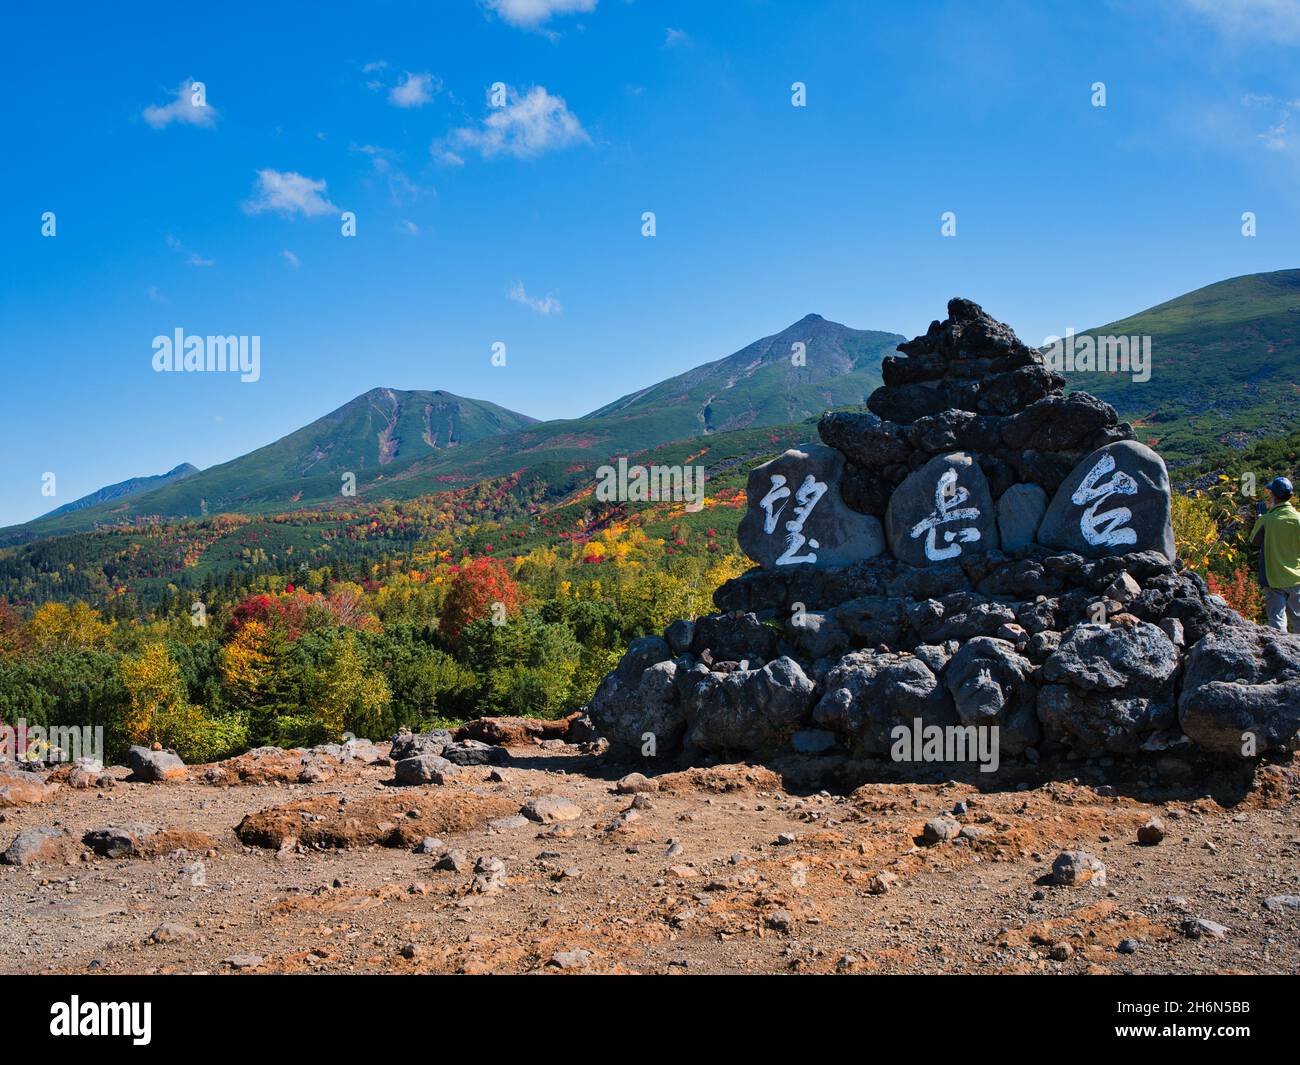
<point>373,436</point>
<point>761,384</point>
<point>1225,367</point>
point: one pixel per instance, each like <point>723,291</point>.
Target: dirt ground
<point>718,870</point>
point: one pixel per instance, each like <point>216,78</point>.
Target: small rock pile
<point>1023,576</point>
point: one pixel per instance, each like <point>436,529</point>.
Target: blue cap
<point>1280,487</point>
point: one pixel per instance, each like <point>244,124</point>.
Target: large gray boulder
<point>637,703</point>
<point>991,684</point>
<point>1099,657</point>
<point>1108,688</point>
<point>1241,691</point>
<point>748,709</point>
<point>41,846</point>
<point>941,512</point>
<point>154,766</point>
<point>797,517</point>
<point>869,693</point>
<point>1116,501</point>
<point>407,744</point>
<point>422,769</point>
<point>1020,511</point>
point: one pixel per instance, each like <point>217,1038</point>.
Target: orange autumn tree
<point>476,586</point>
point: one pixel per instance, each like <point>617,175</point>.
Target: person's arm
<point>1257,533</point>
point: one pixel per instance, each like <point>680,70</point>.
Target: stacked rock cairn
<point>976,550</point>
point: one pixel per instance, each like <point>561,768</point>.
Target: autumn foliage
<point>476,586</point>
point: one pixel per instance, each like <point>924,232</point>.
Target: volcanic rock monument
<point>977,548</point>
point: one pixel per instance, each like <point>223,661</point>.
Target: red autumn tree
<point>478,583</point>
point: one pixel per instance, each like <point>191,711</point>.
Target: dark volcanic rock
<point>748,710</point>
<point>864,438</point>
<point>990,684</point>
<point>1107,688</point>
<point>1116,501</point>
<point>797,516</point>
<point>734,637</point>
<point>1241,691</point>
<point>941,510</point>
<point>1057,423</point>
<point>868,694</point>
<point>631,705</point>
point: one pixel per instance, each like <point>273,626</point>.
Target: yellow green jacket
<point>1281,528</point>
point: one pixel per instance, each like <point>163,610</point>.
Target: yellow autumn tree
<point>350,697</point>
<point>244,661</point>
<point>56,627</point>
<point>160,708</point>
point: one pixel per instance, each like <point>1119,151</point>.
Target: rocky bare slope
<point>321,862</point>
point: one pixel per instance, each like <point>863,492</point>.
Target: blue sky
<point>522,223</point>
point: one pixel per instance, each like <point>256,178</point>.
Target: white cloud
<point>530,14</point>
<point>290,258</point>
<point>527,126</point>
<point>183,109</point>
<point>153,293</point>
<point>546,307</point>
<point>415,90</point>
<point>288,193</point>
<point>675,37</point>
<point>1268,21</point>
<point>377,65</point>
<point>407,226</point>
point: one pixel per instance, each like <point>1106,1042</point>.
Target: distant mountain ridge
<point>1225,372</point>
<point>131,486</point>
<point>401,444</point>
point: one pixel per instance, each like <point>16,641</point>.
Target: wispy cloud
<point>548,306</point>
<point>192,258</point>
<point>533,14</point>
<point>288,193</point>
<point>1257,20</point>
<point>290,258</point>
<point>414,90</point>
<point>673,38</point>
<point>401,189</point>
<point>1278,136</point>
<point>183,109</point>
<point>380,158</point>
<point>527,126</point>
<point>408,227</point>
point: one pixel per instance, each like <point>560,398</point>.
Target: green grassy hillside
<point>1225,367</point>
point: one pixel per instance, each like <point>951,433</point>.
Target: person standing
<point>1277,532</point>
